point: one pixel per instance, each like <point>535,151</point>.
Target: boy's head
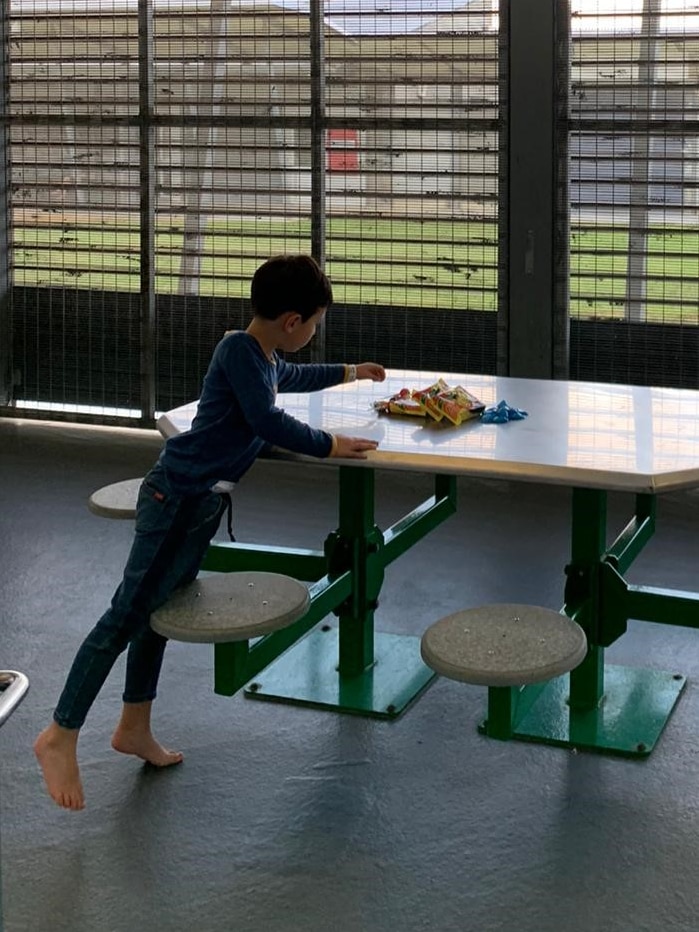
<point>289,283</point>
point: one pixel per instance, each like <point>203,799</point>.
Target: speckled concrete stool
<point>117,500</point>
<point>504,645</point>
<point>231,607</point>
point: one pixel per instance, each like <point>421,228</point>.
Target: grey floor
<point>292,820</point>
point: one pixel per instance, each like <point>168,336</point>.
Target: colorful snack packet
<point>437,401</point>
<point>458,405</point>
<point>400,403</point>
<point>426,398</point>
<point>406,406</point>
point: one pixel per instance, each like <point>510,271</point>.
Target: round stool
<point>231,607</point>
<point>117,500</point>
<point>504,645</point>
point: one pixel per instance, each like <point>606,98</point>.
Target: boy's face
<point>299,332</point>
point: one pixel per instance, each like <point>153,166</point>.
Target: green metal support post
<point>360,541</point>
<point>582,597</point>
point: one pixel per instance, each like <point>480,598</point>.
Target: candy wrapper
<point>400,403</point>
<point>501,413</point>
<point>438,401</point>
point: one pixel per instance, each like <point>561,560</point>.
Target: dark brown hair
<point>289,283</point>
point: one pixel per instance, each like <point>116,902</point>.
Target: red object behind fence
<point>343,150</point>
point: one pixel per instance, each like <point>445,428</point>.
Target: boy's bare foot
<point>56,751</point>
<point>144,745</point>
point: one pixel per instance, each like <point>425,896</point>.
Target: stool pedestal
<point>504,647</point>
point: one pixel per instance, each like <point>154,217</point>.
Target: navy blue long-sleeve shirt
<point>237,415</point>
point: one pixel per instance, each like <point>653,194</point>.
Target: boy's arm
<point>280,429</point>
<point>248,376</point>
<point>312,377</point>
<point>255,394</point>
<point>309,377</point>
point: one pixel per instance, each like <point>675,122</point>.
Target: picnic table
<point>594,438</point>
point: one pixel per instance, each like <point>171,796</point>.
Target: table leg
<point>349,667</point>
<point>357,546</point>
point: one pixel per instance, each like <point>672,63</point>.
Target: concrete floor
<point>285,819</point>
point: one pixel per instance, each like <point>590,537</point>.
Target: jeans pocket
<point>155,508</point>
<point>152,491</point>
<point>208,513</point>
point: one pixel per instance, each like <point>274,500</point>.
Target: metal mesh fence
<point>158,152</point>
<point>634,194</point>
<point>364,133</point>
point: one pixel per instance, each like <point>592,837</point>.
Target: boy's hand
<point>352,448</point>
<point>371,370</point>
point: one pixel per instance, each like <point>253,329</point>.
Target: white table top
<point>584,434</point>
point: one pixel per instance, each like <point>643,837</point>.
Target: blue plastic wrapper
<point>501,413</point>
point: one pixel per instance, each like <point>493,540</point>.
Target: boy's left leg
<point>133,733</point>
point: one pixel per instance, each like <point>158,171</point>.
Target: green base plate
<point>636,707</point>
<point>307,675</point>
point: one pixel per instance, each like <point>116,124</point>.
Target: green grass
<point>598,267</point>
<point>429,264</point>
<point>413,264</point>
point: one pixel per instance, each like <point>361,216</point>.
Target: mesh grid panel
<point>159,153</point>
<point>634,189</point>
<point>365,133</point>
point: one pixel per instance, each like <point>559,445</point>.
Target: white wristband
<point>351,373</point>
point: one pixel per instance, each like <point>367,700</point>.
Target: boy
<point>180,506</point>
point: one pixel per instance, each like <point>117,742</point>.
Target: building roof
<point>348,17</point>
<point>387,17</point>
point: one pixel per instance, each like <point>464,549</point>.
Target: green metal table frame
<point>347,667</point>
<point>350,668</point>
<point>615,709</point>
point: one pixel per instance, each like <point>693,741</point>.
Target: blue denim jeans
<point>172,535</point>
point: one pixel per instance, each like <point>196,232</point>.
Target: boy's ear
<point>291,321</point>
